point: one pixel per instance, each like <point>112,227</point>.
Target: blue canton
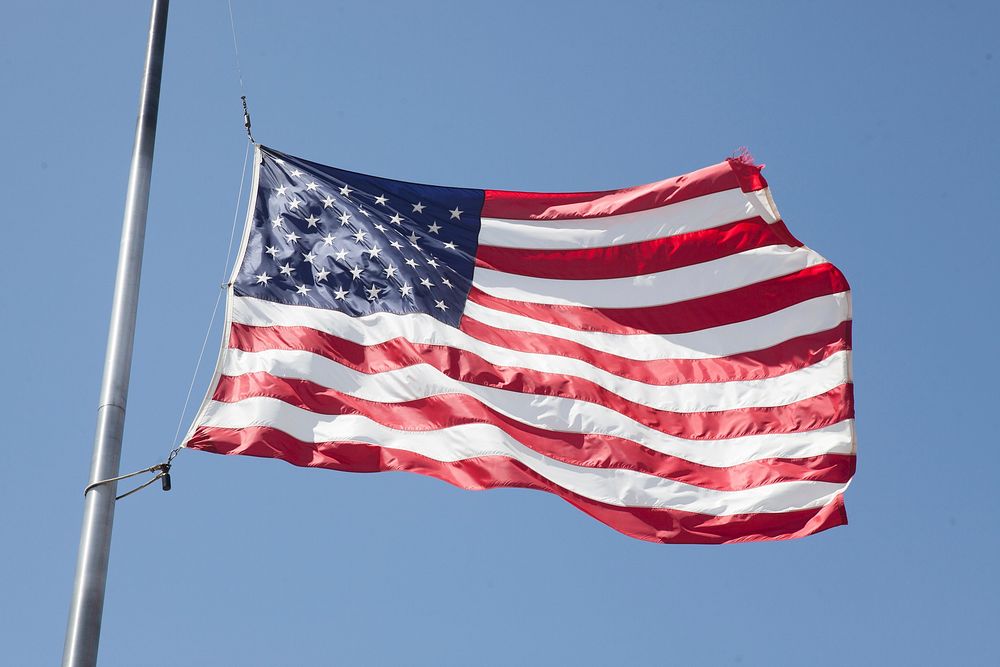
<point>335,239</point>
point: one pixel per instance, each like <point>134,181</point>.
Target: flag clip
<point>162,471</point>
<point>246,119</point>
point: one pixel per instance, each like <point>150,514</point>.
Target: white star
<point>390,271</point>
<point>381,199</point>
<point>447,282</point>
<point>262,279</point>
<point>340,294</point>
<point>322,274</point>
<point>272,251</point>
<point>296,173</point>
<point>312,220</point>
<point>309,256</point>
<point>340,255</point>
<point>426,283</point>
<point>294,204</point>
<point>373,292</point>
<point>434,228</point>
<point>312,185</point>
<point>360,236</point>
<point>346,191</point>
<point>281,190</point>
<point>441,305</point>
<point>344,218</point>
<point>406,290</point>
<point>292,237</point>
<point>287,269</point>
<point>364,212</point>
<point>375,251</point>
<point>328,239</point>
<point>356,271</point>
<point>328,202</point>
<point>456,213</point>
<point>396,244</point>
<point>418,207</point>
<point>450,246</point>
<point>396,218</point>
<point>411,263</point>
<point>413,239</point>
<point>302,289</point>
<point>432,262</point>
<point>379,227</point>
<point>277,222</point>
<point>279,162</point>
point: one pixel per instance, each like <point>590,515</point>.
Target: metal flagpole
<point>84,628</point>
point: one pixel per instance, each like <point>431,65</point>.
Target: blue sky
<point>878,125</point>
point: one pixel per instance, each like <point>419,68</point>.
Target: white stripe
<point>554,413</point>
<point>423,380</point>
<point>801,319</point>
<point>691,215</point>
<point>686,397</point>
<point>652,289</point>
<point>620,487</point>
<point>819,378</point>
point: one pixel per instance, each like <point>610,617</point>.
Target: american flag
<point>668,358</point>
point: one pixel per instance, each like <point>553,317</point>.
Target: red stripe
<point>636,259</point>
<point>467,367</point>
<point>588,450</point>
<point>777,360</point>
<point>653,524</point>
<point>574,205</point>
<point>445,410</point>
<point>780,359</point>
<point>737,305</point>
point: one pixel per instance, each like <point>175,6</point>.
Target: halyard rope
<point>218,299</point>
<point>162,470</point>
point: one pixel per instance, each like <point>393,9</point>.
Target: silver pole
<point>83,631</point>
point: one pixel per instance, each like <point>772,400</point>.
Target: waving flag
<point>668,358</point>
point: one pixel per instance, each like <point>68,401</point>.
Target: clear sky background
<point>878,122</point>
